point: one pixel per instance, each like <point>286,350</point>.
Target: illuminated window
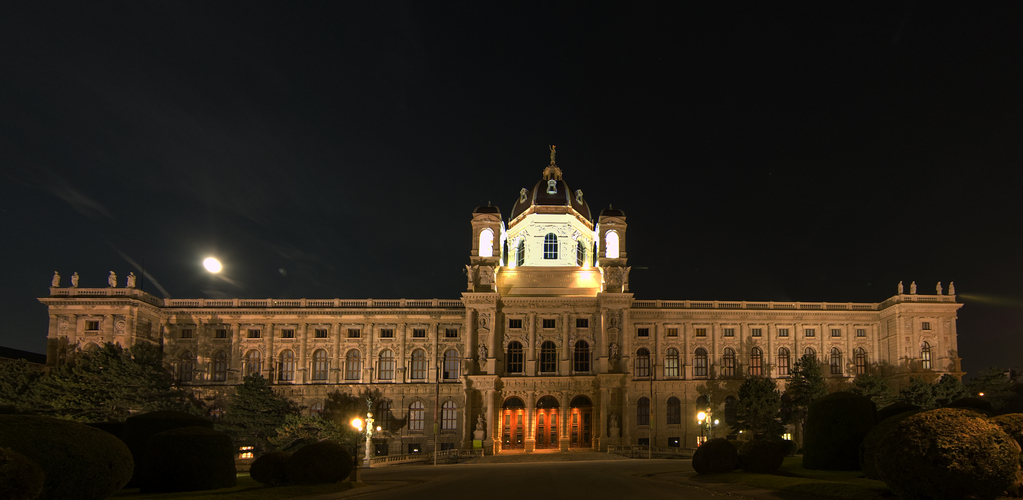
<point>246,452</point>
<point>185,367</point>
<point>220,333</point>
<point>925,356</point>
<point>643,411</point>
<point>320,365</point>
<point>700,362</point>
<point>548,357</point>
<point>515,324</point>
<point>320,333</point>
<point>286,366</point>
<point>810,352</point>
<point>186,333</point>
<point>385,419</point>
<point>288,333</point>
<point>513,363</point>
<point>783,362</point>
<point>836,361</point>
<point>353,365</point>
<point>580,253</point>
<point>729,332</point>
<point>671,332</point>
<point>836,332</point>
<point>756,332</point>
<point>642,366</point>
<point>861,361</point>
<point>520,253</point>
<point>756,362</point>
<point>418,371</point>
<point>861,332</point>
<point>810,332</point>
<point>418,333</point>
<point>550,246</point>
<point>671,363</point>
<point>701,332</point>
<point>448,416</point>
<point>783,332</point>
<point>253,333</point>
<point>253,363</point>
<point>385,365</point>
<point>611,244</point>
<point>416,417</point>
<point>451,365</point>
<point>219,367</point>
<point>728,363</point>
<point>674,410</point>
<point>581,359</point>
<point>487,243</point>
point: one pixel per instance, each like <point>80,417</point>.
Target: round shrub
<point>760,456</point>
<point>715,456</point>
<point>948,453</point>
<point>139,428</point>
<point>895,409</point>
<point>788,447</point>
<point>873,439</point>
<point>115,428</point>
<point>317,463</point>
<point>271,468</point>
<point>835,427</point>
<point>1012,424</point>
<point>188,459</point>
<point>20,478</point>
<point>79,462</point>
<point>975,403</point>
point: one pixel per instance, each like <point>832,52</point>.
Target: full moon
<point>212,265</point>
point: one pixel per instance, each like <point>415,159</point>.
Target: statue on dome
<point>74,280</point>
<point>112,280</point>
<point>552,153</point>
<point>900,288</point>
<point>938,288</point>
<point>131,280</point>
<point>912,288</point>
<point>55,282</point>
<point>951,287</point>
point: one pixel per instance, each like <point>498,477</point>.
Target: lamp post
<point>368,436</point>
<point>701,417</point>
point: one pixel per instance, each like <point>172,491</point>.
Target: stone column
<point>566,352</point>
<point>270,363</point>
<point>531,349</point>
<point>468,424</point>
<point>431,354</point>
<point>469,342</point>
<point>530,426</point>
<point>303,355</point>
<point>335,363</point>
<point>399,357</point>
<point>492,344</point>
<point>627,417</point>
<point>563,438</point>
<point>236,361</point>
<point>367,364</point>
<point>488,443</point>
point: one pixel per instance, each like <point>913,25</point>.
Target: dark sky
<point>818,153</point>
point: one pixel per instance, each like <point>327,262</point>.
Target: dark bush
<point>20,478</point>
<point>115,428</point>
<point>188,459</point>
<point>1012,424</point>
<point>271,468</point>
<point>760,456</point>
<point>80,463</point>
<point>835,427</point>
<point>948,453</point>
<point>895,409</point>
<point>974,403</point>
<point>715,456</point>
<point>139,428</point>
<point>788,447</point>
<point>873,440</point>
<point>323,462</point>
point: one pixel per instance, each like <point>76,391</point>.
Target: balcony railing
<point>261,303</point>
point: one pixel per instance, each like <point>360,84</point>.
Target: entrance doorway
<point>547,422</point>
<point>513,418</point>
<point>580,423</point>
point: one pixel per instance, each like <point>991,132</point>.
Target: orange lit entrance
<point>580,423</point>
<point>547,423</point>
<point>513,420</point>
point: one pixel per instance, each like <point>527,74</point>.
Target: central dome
<point>552,191</point>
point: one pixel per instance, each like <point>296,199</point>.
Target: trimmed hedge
<point>188,459</point>
<point>139,428</point>
<point>868,449</point>
<point>948,453</point>
<point>715,456</point>
<point>788,447</point>
<point>835,426</point>
<point>895,409</point>
<point>317,463</point>
<point>1012,424</point>
<point>760,456</point>
<point>80,463</point>
<point>271,468</point>
<point>20,478</point>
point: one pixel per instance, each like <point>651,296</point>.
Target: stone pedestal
<point>530,445</point>
<point>564,443</point>
<point>604,442</point>
<point>488,446</point>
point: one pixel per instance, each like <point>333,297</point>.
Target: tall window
<point>520,253</point>
<point>385,365</point>
<point>783,362</point>
<point>448,416</point>
<point>451,365</point>
<point>286,366</point>
<point>353,365</point>
<point>548,357</point>
<point>418,371</point>
<point>728,363</point>
<point>643,411</point>
<point>513,363</point>
<point>253,363</point>
<point>642,367</point>
<point>550,246</point>
<point>316,409</point>
<point>836,361</point>
<point>580,253</point>
<point>671,363</point>
<point>810,352</point>
<point>185,367</point>
<point>384,417</point>
<point>925,356</point>
<point>219,367</point>
<point>674,411</point>
<point>861,361</point>
<point>581,360</point>
<point>487,243</point>
<point>700,362</point>
<point>416,417</point>
<point>320,365</point>
<point>756,362</point>
<point>611,244</point>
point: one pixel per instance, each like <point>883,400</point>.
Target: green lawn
<point>793,477</point>
<point>247,489</point>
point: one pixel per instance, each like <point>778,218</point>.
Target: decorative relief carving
<point>63,324</point>
<point>614,318</point>
<point>483,320</point>
<point>120,325</point>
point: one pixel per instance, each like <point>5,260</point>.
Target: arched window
<point>448,416</point>
<point>580,253</point>
<point>353,365</point>
<point>642,365</point>
<point>581,359</point>
<point>384,417</point>
<point>671,363</point>
<point>810,352</point>
<point>861,361</point>
<point>925,356</point>
<point>451,365</point>
<point>520,253</point>
<point>674,411</point>
<point>418,371</point>
<point>550,246</point>
<point>548,357</point>
<point>643,411</point>
<point>487,243</point>
<point>783,362</point>
<point>728,363</point>
<point>253,363</point>
<point>756,362</point>
<point>316,409</point>
<point>700,362</point>
<point>416,417</point>
<point>320,365</point>
<point>385,365</point>
<point>836,361</point>
<point>286,366</point>
<point>219,367</point>
<point>185,367</point>
<point>611,244</point>
<point>513,363</point>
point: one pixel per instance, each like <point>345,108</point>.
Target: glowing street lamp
<point>357,423</point>
<point>701,417</point>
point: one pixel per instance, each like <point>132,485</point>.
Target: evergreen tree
<point>17,383</point>
<point>874,387</point>
<point>255,412</point>
<point>300,430</point>
<point>806,384</point>
<point>948,389</point>
<point>758,407</point>
<point>996,387</point>
<point>918,392</point>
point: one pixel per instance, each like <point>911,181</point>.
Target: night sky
<point>819,152</point>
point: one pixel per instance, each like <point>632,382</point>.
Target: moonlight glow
<point>212,265</point>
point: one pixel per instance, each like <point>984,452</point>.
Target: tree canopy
<point>874,387</point>
<point>255,412</point>
<point>757,408</point>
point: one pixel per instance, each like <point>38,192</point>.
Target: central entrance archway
<point>547,422</point>
<point>582,412</point>
<point>512,420</point>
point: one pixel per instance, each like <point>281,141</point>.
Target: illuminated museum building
<point>547,343</point>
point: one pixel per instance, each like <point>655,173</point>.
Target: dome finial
<point>552,171</point>
<point>552,153</point>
